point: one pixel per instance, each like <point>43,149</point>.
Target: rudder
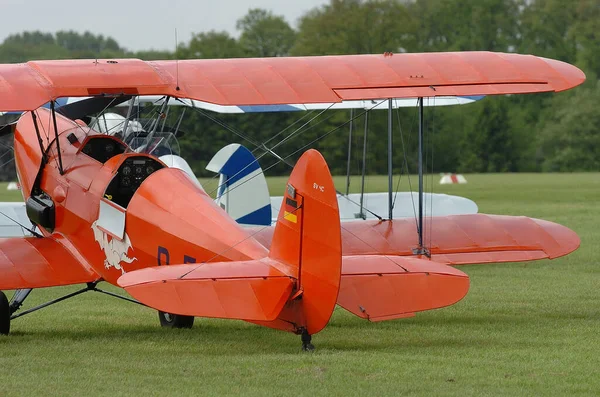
<point>307,237</point>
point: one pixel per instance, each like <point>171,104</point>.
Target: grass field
<point>523,329</point>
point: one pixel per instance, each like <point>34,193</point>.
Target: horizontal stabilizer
<point>386,287</point>
<point>245,290</point>
<point>33,262</point>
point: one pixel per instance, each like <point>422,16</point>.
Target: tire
<point>4,314</point>
<point>169,320</point>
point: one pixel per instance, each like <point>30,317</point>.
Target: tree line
<point>518,133</point>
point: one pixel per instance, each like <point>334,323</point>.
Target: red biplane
<point>106,213</point>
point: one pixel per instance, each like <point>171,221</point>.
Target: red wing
<point>458,239</point>
<point>39,262</point>
<point>245,290</point>
<point>300,80</point>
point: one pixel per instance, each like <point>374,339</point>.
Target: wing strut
<point>390,171</point>
<point>349,152</point>
<point>420,250</point>
<point>364,167</point>
<point>58,153</point>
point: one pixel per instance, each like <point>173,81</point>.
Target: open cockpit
<point>130,175</point>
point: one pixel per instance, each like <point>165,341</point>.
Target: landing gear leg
<point>18,298</point>
<point>306,338</point>
<point>4,314</point>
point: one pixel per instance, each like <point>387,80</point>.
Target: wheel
<point>308,347</point>
<point>169,320</point>
<point>4,314</point>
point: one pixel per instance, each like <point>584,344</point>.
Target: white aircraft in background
<point>244,194</point>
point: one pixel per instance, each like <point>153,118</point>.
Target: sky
<point>140,24</point>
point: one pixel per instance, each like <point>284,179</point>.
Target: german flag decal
<point>288,216</point>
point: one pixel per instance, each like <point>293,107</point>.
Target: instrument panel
<point>135,170</point>
<point>131,174</point>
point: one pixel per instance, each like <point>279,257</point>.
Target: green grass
<point>524,329</point>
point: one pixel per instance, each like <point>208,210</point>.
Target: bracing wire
<point>296,132</point>
<point>30,230</point>
<point>250,140</point>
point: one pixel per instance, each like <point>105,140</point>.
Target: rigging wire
<point>30,230</point>
<point>308,113</point>
<point>244,137</point>
<point>298,150</point>
<point>267,150</point>
<point>256,144</point>
<point>296,132</point>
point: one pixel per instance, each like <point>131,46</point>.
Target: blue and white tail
<point>239,170</point>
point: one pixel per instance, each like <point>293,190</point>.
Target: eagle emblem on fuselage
<point>115,250</point>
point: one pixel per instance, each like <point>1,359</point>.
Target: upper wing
<point>33,262</point>
<point>458,239</point>
<point>299,80</point>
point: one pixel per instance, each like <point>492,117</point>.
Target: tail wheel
<point>169,320</point>
<point>4,314</point>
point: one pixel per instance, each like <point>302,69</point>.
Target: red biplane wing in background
<point>296,80</point>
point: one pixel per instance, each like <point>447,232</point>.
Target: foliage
<point>212,45</point>
<point>514,133</point>
<point>570,139</point>
<point>264,34</point>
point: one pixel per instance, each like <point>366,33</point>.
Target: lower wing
<point>31,262</point>
<point>457,239</point>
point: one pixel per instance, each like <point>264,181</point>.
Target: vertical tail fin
<point>308,237</point>
<point>243,192</point>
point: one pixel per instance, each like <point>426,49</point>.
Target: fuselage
<point>151,214</point>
